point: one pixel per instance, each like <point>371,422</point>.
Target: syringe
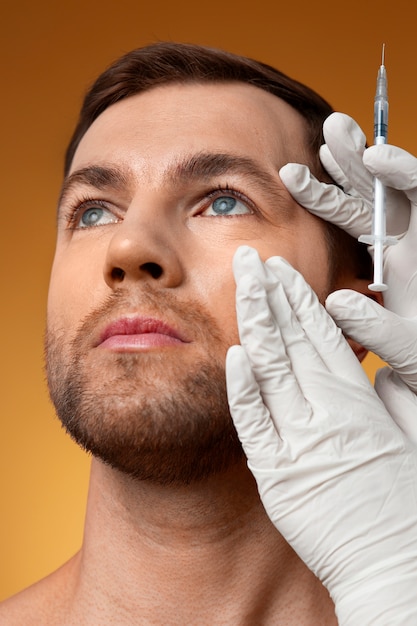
<point>378,239</point>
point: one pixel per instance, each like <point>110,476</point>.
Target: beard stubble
<point>152,416</point>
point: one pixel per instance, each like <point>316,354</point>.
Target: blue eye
<point>95,216</point>
<point>91,217</point>
<point>226,205</point>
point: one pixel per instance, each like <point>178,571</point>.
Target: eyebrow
<point>99,177</point>
<point>210,165</point>
<point>197,167</point>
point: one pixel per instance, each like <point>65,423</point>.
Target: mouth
<point>139,333</point>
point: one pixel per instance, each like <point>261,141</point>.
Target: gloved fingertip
<point>340,126</point>
<point>337,120</point>
<point>371,158</point>
<point>275,262</point>
<point>325,153</point>
<point>347,306</point>
<point>237,367</point>
<point>295,175</point>
<point>395,166</point>
<point>234,355</point>
<point>344,301</point>
<point>239,377</point>
<point>244,252</point>
<point>245,259</point>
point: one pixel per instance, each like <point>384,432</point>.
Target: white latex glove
<point>335,474</point>
<point>392,337</point>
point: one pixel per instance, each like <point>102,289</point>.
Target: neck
<point>206,553</point>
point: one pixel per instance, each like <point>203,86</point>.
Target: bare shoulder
<point>43,604</point>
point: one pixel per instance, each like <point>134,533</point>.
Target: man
<point>172,168</point>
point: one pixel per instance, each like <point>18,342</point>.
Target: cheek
<point>212,284</point>
<point>314,263</point>
<point>76,287</point>
<point>305,246</point>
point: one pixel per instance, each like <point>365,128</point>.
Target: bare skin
<point>210,558</point>
<point>204,553</point>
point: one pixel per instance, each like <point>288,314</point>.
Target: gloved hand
<point>392,337</point>
<point>337,477</point>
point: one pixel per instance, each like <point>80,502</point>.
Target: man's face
<point>163,188</point>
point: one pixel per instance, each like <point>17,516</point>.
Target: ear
<point>361,285</point>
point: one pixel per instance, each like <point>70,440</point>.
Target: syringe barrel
<point>381,107</point>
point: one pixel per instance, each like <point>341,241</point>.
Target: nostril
<point>117,274</point>
<point>153,269</point>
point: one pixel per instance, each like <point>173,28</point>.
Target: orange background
<point>51,51</point>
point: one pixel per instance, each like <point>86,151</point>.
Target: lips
<point>139,332</point>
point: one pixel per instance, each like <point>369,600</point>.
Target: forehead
<point>178,119</point>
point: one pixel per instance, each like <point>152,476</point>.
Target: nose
<point>143,248</point>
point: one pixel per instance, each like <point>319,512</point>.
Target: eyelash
<point>71,216</point>
<point>74,212</point>
<point>230,191</point>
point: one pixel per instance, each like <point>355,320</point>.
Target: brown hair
<point>166,62</point>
